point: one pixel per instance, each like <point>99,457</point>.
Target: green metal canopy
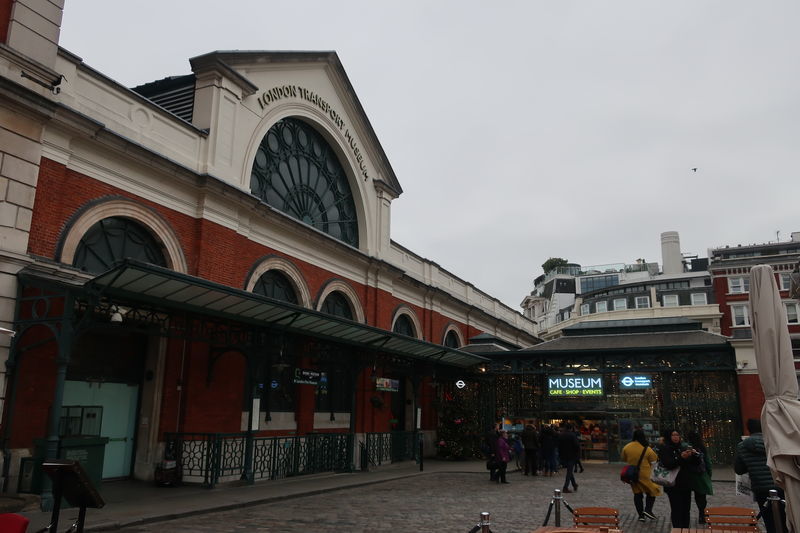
<point>144,282</point>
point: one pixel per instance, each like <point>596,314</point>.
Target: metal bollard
<point>557,499</point>
<point>775,506</point>
<point>484,522</point>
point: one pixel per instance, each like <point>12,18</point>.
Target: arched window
<point>451,339</point>
<point>114,239</point>
<point>296,172</point>
<point>337,305</point>
<point>275,285</point>
<point>404,326</point>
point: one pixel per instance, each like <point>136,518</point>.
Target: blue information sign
<point>635,381</point>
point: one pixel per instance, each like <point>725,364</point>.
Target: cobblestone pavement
<point>440,502</point>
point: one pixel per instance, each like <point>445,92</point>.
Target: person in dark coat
<point>751,458</point>
<point>701,479</point>
<point>569,449</point>
<point>489,447</point>
<point>530,443</point>
<point>674,453</point>
<point>548,441</point>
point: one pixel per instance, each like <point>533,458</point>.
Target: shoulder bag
<point>630,474</point>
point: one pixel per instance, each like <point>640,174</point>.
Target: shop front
<point>609,385</point>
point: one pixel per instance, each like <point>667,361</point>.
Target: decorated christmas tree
<point>459,430</point>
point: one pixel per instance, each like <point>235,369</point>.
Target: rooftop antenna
<point>778,235</point>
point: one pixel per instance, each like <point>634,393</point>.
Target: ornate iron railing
<point>380,448</point>
<point>207,458</point>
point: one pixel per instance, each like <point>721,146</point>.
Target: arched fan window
<point>275,285</point>
<point>336,304</point>
<point>404,326</point>
<point>296,172</point>
<point>451,339</point>
<point>114,239</point>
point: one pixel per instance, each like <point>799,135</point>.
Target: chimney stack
<point>671,258</point>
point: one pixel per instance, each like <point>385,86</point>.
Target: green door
<point>118,401</point>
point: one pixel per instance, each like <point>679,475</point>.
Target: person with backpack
<point>751,458</point>
<point>638,454</point>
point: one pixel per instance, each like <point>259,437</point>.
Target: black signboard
<point>304,376</point>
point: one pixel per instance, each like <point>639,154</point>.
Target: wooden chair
<point>731,519</point>
<point>596,517</point>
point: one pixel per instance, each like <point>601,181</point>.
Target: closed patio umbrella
<point>780,416</point>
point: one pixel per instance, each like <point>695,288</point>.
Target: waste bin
<point>88,451</point>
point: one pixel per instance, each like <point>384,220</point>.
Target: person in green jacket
<point>751,458</point>
<point>701,477</point>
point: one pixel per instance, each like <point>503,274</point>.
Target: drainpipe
<point>64,346</point>
<point>180,389</point>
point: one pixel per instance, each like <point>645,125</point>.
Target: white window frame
<point>703,297</point>
<point>745,315</point>
<point>624,304</point>
<point>601,307</point>
<point>667,300</point>
<point>739,285</point>
<point>585,309</point>
<point>786,281</point>
<point>643,299</point>
<point>793,318</point>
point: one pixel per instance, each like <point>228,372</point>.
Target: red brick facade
<point>198,395</point>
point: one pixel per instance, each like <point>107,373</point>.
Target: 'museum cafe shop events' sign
<point>592,384</point>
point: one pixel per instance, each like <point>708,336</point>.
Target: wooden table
<point>701,530</point>
<point>562,529</point>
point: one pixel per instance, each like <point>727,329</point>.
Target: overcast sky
<point>522,130</point>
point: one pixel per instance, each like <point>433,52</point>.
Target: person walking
<point>639,453</point>
<point>674,453</point>
<point>751,458</point>
<point>569,450</point>
<point>701,476</point>
<point>530,443</point>
<point>548,441</point>
<point>503,456</point>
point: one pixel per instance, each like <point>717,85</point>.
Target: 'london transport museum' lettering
<point>575,385</point>
<point>292,91</point>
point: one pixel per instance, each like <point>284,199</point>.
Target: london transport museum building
<point>199,272</point>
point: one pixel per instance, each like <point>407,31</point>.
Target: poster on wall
<point>571,385</point>
<point>387,385</point>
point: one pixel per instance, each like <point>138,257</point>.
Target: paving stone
<point>439,502</point>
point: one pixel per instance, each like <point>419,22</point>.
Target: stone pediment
<point>268,86</point>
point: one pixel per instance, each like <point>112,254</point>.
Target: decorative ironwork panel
<point>114,239</point>
<point>297,172</point>
<point>229,455</point>
<point>275,285</point>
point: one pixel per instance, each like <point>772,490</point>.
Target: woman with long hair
<point>638,452</point>
<point>701,477</point>
<point>674,453</point>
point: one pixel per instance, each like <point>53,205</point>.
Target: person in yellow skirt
<point>644,490</point>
